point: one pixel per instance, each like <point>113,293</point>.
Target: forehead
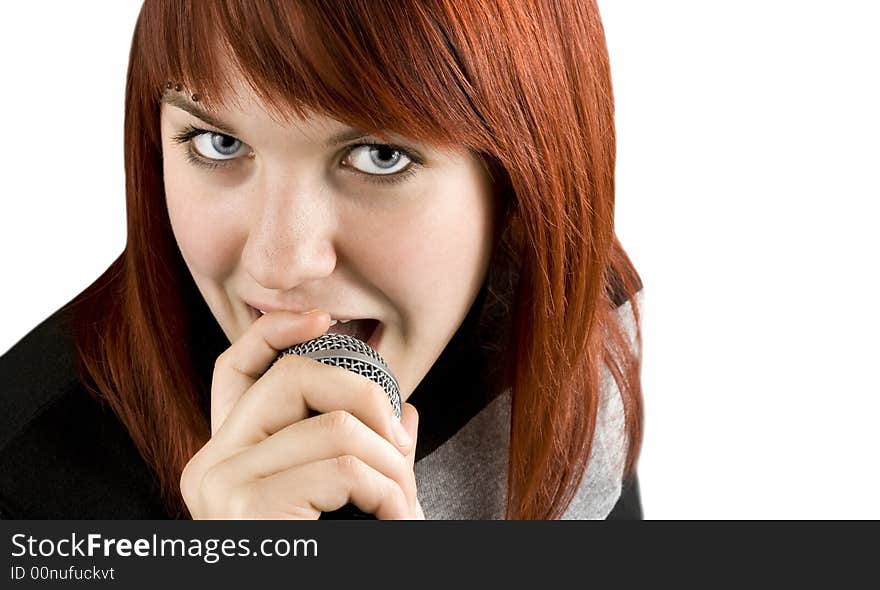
<point>259,126</point>
<point>240,112</point>
<point>248,114</point>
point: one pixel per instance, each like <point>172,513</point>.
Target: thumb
<point>409,417</point>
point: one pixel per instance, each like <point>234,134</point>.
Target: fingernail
<point>400,434</point>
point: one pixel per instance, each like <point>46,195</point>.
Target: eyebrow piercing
<point>178,87</point>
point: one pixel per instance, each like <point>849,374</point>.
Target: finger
<point>328,485</point>
<point>294,386</point>
<point>242,364</point>
<point>317,438</point>
<point>409,417</point>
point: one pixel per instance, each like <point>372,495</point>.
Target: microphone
<point>355,355</point>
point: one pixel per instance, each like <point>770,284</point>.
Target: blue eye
<point>375,162</point>
<point>224,145</point>
<point>377,159</point>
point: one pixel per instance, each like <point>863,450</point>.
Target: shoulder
<point>625,311</point>
<point>63,454</point>
<point>604,493</point>
<point>602,483</point>
<point>34,373</point>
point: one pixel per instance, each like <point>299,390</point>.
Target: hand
<point>268,458</point>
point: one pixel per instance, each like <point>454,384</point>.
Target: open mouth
<point>362,329</point>
<point>367,330</point>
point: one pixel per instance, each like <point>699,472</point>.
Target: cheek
<point>205,231</point>
<point>436,257</point>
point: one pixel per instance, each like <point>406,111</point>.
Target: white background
<point>747,197</point>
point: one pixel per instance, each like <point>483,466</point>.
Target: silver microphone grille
<point>348,352</point>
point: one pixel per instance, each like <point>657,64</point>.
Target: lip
<point>255,311</point>
<point>373,342</point>
<point>255,307</point>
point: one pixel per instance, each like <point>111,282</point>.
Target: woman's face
<point>298,219</point>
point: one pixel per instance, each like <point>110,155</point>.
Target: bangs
<point>374,66</point>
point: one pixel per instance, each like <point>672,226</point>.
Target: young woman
<point>439,173</point>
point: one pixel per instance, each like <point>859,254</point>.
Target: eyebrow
<point>180,102</point>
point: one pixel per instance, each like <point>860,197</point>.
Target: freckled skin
<point>291,225</point>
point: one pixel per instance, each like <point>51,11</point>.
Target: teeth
<point>344,321</point>
<point>333,322</point>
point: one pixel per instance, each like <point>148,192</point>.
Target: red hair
<point>526,87</point>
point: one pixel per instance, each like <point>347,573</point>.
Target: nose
<point>291,239</point>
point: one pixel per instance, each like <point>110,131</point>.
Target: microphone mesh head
<point>348,352</point>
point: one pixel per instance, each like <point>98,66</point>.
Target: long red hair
<point>525,86</point>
